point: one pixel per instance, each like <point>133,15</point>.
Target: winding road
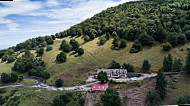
<point>85,87</point>
<point>40,84</point>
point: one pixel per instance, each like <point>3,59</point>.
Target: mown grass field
<point>76,69</point>
<point>28,82</point>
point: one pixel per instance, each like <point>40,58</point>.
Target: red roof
<point>99,86</point>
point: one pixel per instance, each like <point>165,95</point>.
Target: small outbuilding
<point>99,86</point>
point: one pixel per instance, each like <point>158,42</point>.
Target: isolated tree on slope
<point>114,65</point>
<point>167,63</point>
<point>61,57</point>
<point>146,66</point>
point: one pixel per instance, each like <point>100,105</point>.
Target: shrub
<point>11,59</point>
<point>187,33</point>
<point>82,101</point>
<point>75,45</point>
<point>14,77</point>
<point>45,75</point>
<point>49,40</point>
<point>166,46</point>
<point>103,39</point>
<point>80,51</point>
<point>4,58</point>
<point>133,50</point>
<point>177,65</point>
<point>40,51</point>
<point>183,100</point>
<point>86,38</point>
<point>65,47</point>
<point>49,48</point>
<point>172,38</point>
<point>181,39</point>
<point>115,43</point>
<point>111,97</point>
<point>61,100</point>
<point>146,66</point>
<point>123,43</point>
<point>145,39</point>
<point>34,72</point>
<point>114,65</point>
<point>61,57</point>
<point>136,47</point>
<point>59,83</point>
<point>20,78</point>
<point>152,98</point>
<point>129,67</point>
<point>5,78</point>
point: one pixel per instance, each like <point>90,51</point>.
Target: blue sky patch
<point>24,19</point>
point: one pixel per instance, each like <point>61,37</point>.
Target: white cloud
<point>17,7</point>
<point>51,3</point>
<point>13,26</point>
<point>79,9</point>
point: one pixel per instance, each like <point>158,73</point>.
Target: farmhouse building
<point>114,73</point>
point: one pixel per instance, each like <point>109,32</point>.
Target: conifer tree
<point>167,63</point>
<point>161,84</point>
<point>146,66</point>
<point>177,66</point>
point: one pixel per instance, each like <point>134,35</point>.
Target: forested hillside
<point>144,21</point>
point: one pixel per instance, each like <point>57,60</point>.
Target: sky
<point>24,19</point>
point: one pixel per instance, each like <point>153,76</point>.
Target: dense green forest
<point>144,21</point>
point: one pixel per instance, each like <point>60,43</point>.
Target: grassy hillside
<point>4,67</point>
<point>76,69</point>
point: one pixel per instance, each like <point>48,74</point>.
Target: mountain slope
<point>76,69</point>
<point>146,21</point>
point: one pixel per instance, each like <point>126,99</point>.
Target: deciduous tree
<point>102,76</point>
<point>111,98</point>
<point>59,82</point>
